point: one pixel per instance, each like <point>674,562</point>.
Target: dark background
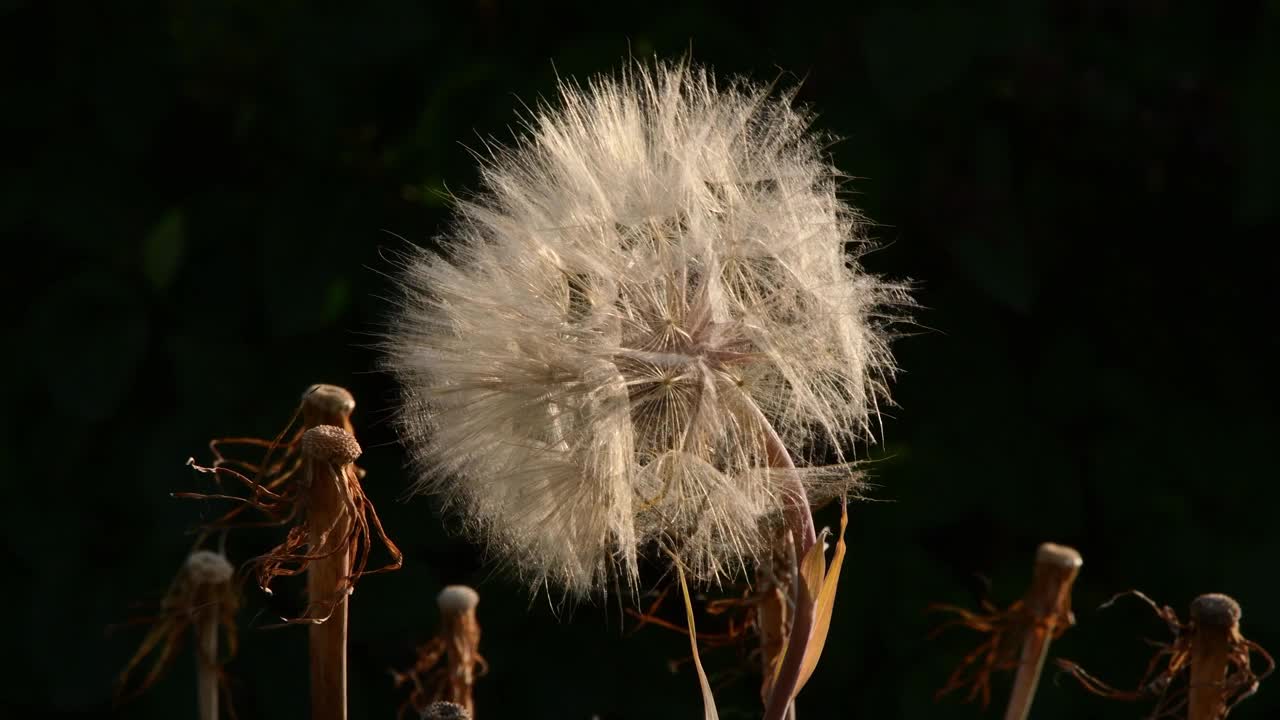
<point>199,197</point>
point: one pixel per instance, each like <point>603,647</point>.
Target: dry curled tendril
<point>279,486</point>
<point>1004,631</point>
<point>739,622</point>
<point>1166,679</point>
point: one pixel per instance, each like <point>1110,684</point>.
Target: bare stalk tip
<point>329,399</point>
<point>456,599</point>
<point>1058,555</point>
<point>1216,610</point>
<point>1048,603</point>
<point>1215,632</point>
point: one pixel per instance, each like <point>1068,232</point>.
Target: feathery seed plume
<point>653,292</point>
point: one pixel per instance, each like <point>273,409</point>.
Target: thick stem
<point>461,632</point>
<point>327,457</point>
<point>1049,602</point>
<point>799,521</point>
<point>1215,621</point>
<point>326,588</point>
<point>207,662</point>
<point>772,613</point>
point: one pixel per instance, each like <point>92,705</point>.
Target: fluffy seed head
<point>652,278</point>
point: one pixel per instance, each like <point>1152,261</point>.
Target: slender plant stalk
<point>461,632</point>
<point>457,646</point>
<point>799,520</point>
<point>207,685</point>
<point>1215,621</point>
<point>327,504</point>
<point>325,577</point>
<point>1049,602</point>
<point>771,609</point>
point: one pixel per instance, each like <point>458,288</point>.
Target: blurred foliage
<point>200,200</point>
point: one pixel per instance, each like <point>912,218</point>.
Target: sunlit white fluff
<point>654,274</point>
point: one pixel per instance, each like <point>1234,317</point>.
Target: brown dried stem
<point>203,599</point>
<point>314,487</point>
<point>1215,620</point>
<point>774,578</point>
<point>1016,638</point>
<point>328,452</point>
<point>1049,602</point>
<point>1202,674</point>
<point>799,522</point>
<point>458,645</point>
<point>207,669</point>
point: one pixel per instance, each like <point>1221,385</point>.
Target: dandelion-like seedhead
<point>654,286</point>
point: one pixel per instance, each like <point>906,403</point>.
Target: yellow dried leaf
<point>825,603</point>
<point>708,700</point>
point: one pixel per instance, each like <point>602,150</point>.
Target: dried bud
<point>330,444</point>
<point>206,567</point>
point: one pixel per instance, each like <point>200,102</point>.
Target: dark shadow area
<point>199,204</point>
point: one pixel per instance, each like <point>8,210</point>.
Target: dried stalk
<point>1202,674</point>
<point>799,523</point>
<point>774,579</point>
<point>204,599</point>
<point>328,452</point>
<point>314,488</point>
<point>1016,638</point>
<point>206,664</point>
<point>210,573</point>
<point>458,644</point>
<point>1049,602</point>
<point>1215,622</point>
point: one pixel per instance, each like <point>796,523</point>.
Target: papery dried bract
<point>653,276</point>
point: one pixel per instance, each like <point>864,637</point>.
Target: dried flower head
<point>448,664</point>
<point>652,293</point>
<point>1016,638</point>
<point>1203,672</point>
<point>309,483</point>
<point>203,598</point>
